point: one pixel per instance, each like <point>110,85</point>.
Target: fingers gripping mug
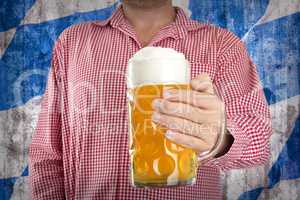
<point>155,160</point>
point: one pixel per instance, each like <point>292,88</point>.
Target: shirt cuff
<point>229,159</point>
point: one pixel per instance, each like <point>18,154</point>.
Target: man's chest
<point>104,62</point>
<point>97,72</point>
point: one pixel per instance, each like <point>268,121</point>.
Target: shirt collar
<point>181,25</point>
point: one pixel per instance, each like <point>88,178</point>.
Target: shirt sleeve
<point>247,113</point>
<point>45,150</point>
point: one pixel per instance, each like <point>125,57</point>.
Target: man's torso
<point>94,118</point>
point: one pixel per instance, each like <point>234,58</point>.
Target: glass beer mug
<point>155,160</point>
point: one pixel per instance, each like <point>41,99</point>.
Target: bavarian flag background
<point>270,28</point>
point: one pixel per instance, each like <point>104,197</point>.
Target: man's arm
<point>195,117</point>
<point>45,151</point>
<point>247,113</point>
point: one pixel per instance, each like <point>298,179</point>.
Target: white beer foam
<point>157,65</point>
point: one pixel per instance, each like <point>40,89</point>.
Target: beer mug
<point>155,160</point>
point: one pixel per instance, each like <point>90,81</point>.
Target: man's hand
<point>193,117</point>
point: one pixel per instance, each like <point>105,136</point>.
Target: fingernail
<point>168,93</point>
<point>169,134</point>
<point>156,103</point>
<point>155,117</point>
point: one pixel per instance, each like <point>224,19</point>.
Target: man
<point>79,149</point>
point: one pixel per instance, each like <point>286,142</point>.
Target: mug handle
<point>215,149</point>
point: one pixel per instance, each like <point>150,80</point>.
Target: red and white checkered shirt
<point>80,146</point>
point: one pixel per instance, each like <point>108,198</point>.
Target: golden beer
<point>156,161</point>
